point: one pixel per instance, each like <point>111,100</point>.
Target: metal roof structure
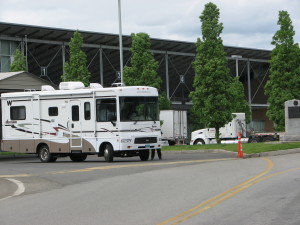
<point>47,51</point>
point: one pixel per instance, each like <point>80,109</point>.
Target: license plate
<point>147,146</point>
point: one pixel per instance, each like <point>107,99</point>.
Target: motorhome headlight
<point>126,140</point>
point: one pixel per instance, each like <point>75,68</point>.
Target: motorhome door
<point>75,125</point>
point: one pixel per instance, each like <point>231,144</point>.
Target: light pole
<point>120,41</point>
<point>237,57</point>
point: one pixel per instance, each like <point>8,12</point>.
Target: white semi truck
<point>78,121</point>
<point>229,133</point>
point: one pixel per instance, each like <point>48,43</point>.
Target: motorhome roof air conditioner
<point>95,85</point>
<point>47,88</point>
<point>72,85</point>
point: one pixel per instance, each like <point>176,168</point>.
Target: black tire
<point>171,142</point>
<point>144,155</point>
<point>108,153</point>
<point>45,155</point>
<point>199,142</point>
<point>254,140</point>
<point>78,157</point>
<point>268,139</point>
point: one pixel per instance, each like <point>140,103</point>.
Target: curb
<point>273,153</point>
<point>234,154</point>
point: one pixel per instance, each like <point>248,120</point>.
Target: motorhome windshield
<point>139,108</point>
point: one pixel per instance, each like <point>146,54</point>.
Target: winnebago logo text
<point>9,103</point>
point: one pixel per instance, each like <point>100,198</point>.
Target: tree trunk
<point>217,135</point>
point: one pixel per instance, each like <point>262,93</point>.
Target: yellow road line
<point>113,167</point>
<point>217,199</point>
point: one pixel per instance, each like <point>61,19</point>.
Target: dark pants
<point>153,153</point>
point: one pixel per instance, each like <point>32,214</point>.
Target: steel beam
<point>167,75</point>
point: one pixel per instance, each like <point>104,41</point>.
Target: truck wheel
<point>171,142</point>
<point>144,155</point>
<point>45,155</point>
<point>199,142</point>
<point>268,139</point>
<point>78,157</point>
<point>254,140</point>
<point>108,153</point>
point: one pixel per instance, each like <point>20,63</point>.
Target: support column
<point>22,45</point>
<point>63,53</point>
<point>167,75</point>
<point>237,67</point>
<point>249,85</point>
<point>26,51</point>
<point>101,66</point>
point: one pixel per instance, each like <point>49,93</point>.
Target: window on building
<point>7,51</point>
<point>17,113</point>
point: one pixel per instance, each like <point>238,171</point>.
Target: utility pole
<point>120,41</point>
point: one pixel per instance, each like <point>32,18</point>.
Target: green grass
<point>8,153</point>
<point>248,148</point>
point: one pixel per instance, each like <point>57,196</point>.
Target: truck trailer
<point>78,121</point>
<point>174,126</point>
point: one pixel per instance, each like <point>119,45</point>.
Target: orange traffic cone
<point>240,147</point>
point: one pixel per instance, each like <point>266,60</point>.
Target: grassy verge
<point>11,153</point>
<point>248,148</point>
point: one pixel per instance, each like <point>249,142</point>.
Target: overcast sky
<point>247,23</point>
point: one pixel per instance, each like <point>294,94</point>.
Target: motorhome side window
<point>17,113</point>
<point>53,111</point>
<point>87,111</point>
<point>75,113</point>
<point>106,110</point>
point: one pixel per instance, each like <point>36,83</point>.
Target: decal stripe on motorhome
<point>22,130</point>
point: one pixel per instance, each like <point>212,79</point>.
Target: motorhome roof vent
<point>72,85</point>
<point>95,85</point>
<point>47,88</point>
<point>118,84</point>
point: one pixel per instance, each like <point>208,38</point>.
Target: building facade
<point>47,50</point>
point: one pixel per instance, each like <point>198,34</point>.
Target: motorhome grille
<point>145,140</point>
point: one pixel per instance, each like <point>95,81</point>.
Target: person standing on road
<point>153,153</point>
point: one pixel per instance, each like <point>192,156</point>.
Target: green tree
<point>143,69</point>
<point>238,97</point>
<point>19,62</point>
<point>284,82</point>
<point>76,69</point>
<point>212,96</point>
<point>164,102</point>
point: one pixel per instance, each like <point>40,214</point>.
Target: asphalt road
<point>183,188</point>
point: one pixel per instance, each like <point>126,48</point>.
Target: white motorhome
<point>77,121</point>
